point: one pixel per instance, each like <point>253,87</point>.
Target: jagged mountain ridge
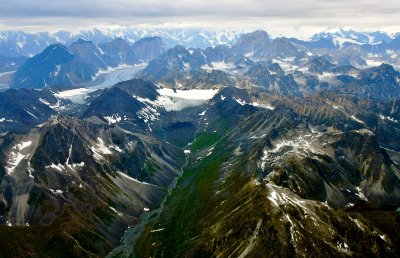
<point>55,182</point>
<point>27,44</point>
<point>181,64</point>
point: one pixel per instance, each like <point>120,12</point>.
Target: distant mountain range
<point>83,61</point>
<point>18,43</point>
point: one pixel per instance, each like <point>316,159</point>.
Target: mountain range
<point>95,52</point>
<point>19,43</point>
<point>58,65</point>
<point>256,147</point>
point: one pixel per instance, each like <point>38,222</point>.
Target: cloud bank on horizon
<point>301,16</point>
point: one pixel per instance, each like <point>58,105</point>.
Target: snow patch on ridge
<point>5,120</point>
<point>254,104</point>
<point>17,155</point>
<point>113,119</point>
<point>133,179</point>
<point>100,149</point>
<point>56,106</point>
<point>302,145</point>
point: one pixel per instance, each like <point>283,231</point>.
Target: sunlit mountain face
<point>188,142</point>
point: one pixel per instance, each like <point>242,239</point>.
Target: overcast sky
<point>277,16</point>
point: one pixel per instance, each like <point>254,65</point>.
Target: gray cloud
<point>56,14</point>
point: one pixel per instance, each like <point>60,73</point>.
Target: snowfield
<point>188,94</point>
<point>103,79</point>
<point>225,67</point>
<point>175,100</point>
<point>77,96</point>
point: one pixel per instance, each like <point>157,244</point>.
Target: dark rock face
<point>257,42</point>
<point>90,54</point>
<point>43,68</point>
<point>320,65</point>
<point>114,101</point>
<point>139,88</point>
<point>377,83</point>
<point>204,79</point>
<point>10,63</point>
<point>273,79</point>
<point>120,51</point>
<point>143,50</point>
<point>126,103</point>
<point>147,49</point>
<point>175,64</point>
<point>20,110</point>
<point>59,66</point>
